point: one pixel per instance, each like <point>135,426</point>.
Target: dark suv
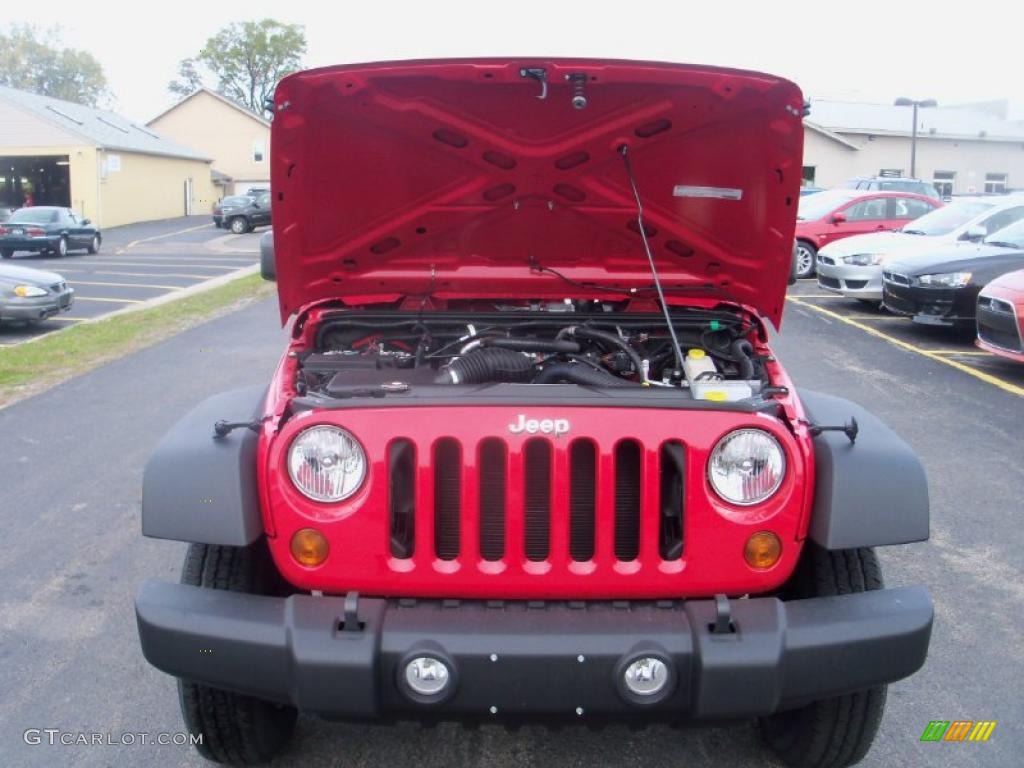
<point>242,213</point>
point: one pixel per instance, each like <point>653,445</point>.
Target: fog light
<point>309,547</point>
<point>646,676</point>
<point>427,676</point>
<point>763,550</point>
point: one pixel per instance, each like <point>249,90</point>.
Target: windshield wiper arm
<point>1002,244</point>
<point>913,231</point>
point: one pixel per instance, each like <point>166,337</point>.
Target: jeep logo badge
<point>554,427</point>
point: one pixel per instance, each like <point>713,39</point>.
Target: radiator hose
<point>488,364</point>
<point>580,374</point>
<point>742,350</point>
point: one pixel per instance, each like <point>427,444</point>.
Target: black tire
<point>239,225</point>
<point>806,255</point>
<point>94,244</point>
<point>62,247</point>
<point>838,732</point>
<point>235,729</point>
<point>6,253</point>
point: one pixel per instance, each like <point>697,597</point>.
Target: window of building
<point>257,150</point>
<point>995,183</point>
<point>944,182</point>
<point>808,175</point>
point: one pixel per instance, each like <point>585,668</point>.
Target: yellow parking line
<point>158,237</point>
<point>129,285</point>
<point>968,352</point>
<point>1006,386</point>
<point>815,296</point>
<point>171,264</point>
<point>112,301</point>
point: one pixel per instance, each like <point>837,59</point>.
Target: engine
<point>376,353</point>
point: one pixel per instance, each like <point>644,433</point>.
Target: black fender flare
<point>870,493</point>
<point>201,489</point>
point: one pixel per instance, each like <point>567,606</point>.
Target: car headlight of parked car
<point>747,466</point>
<point>28,291</point>
<point>863,259</point>
<point>945,280</point>
<point>327,463</point>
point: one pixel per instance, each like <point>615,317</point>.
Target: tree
<point>34,60</point>
<point>247,59</point>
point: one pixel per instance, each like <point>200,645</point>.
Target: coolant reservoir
<point>697,362</point>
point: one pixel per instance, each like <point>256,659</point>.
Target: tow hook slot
<point>723,617</point>
<point>350,620</point>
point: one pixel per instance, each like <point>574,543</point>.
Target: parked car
<point>459,499</point>
<point>894,184</point>
<point>1000,316</point>
<point>48,229</point>
<point>941,288</point>
<point>837,213</point>
<point>852,267</point>
<point>242,213</point>
<point>32,295</point>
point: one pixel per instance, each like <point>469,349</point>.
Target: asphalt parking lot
<point>73,557</point>
<point>137,262</point>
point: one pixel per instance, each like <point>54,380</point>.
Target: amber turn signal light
<point>763,550</point>
<point>309,547</point>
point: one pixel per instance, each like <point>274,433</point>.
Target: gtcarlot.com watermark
<point>55,736</point>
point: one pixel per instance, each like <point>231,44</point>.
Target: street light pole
<point>922,103</point>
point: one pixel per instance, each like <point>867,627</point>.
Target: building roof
<point>830,134</point>
<point>107,130</point>
<point>954,122</point>
<point>219,97</point>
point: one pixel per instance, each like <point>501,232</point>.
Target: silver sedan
<point>32,295</point>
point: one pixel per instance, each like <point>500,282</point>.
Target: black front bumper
<point>931,306</point>
<point>534,658</point>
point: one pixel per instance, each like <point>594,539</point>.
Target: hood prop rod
<point>677,373</point>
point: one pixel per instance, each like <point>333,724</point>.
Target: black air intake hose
<point>742,350</point>
<point>487,365</point>
<point>580,374</point>
<point>534,345</point>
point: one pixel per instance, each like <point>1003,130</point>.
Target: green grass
<point>30,367</point>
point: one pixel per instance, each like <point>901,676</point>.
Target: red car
<point>1001,316</point>
<point>528,453</point>
<point>837,213</point>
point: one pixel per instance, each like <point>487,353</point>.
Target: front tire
<point>235,729</point>
<point>6,253</point>
<point>837,732</point>
<point>62,247</point>
<point>239,225</point>
<point>806,254</point>
<point>94,244</point>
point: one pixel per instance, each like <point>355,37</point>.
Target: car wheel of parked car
<point>832,732</point>
<point>805,256</point>
<point>6,253</point>
<point>239,225</point>
<point>62,246</point>
<point>94,244</point>
<point>235,729</point>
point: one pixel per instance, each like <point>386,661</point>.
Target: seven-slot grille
<point>538,500</point>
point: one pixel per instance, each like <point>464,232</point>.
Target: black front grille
<point>856,285</point>
<point>999,328</point>
<point>672,487</point>
<point>447,497</point>
<point>537,491</point>
<point>402,496</point>
<point>828,282</point>
<point>582,499</point>
<point>627,500</point>
<point>493,456</point>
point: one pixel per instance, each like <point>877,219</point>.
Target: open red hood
<point>457,179</point>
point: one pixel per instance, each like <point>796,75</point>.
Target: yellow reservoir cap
<point>716,395</point>
<point>696,354</point>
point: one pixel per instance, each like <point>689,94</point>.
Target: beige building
<point>104,166</point>
<point>962,150</point>
<point>236,139</point>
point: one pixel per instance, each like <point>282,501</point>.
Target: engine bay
<point>588,344</point>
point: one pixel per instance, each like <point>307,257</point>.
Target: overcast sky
<point>862,51</point>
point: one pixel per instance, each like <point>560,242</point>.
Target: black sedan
<point>47,229</point>
<point>941,288</point>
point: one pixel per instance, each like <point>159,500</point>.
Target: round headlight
<point>326,463</point>
<point>747,466</point>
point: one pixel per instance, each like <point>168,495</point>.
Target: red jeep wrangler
<point>528,452</point>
